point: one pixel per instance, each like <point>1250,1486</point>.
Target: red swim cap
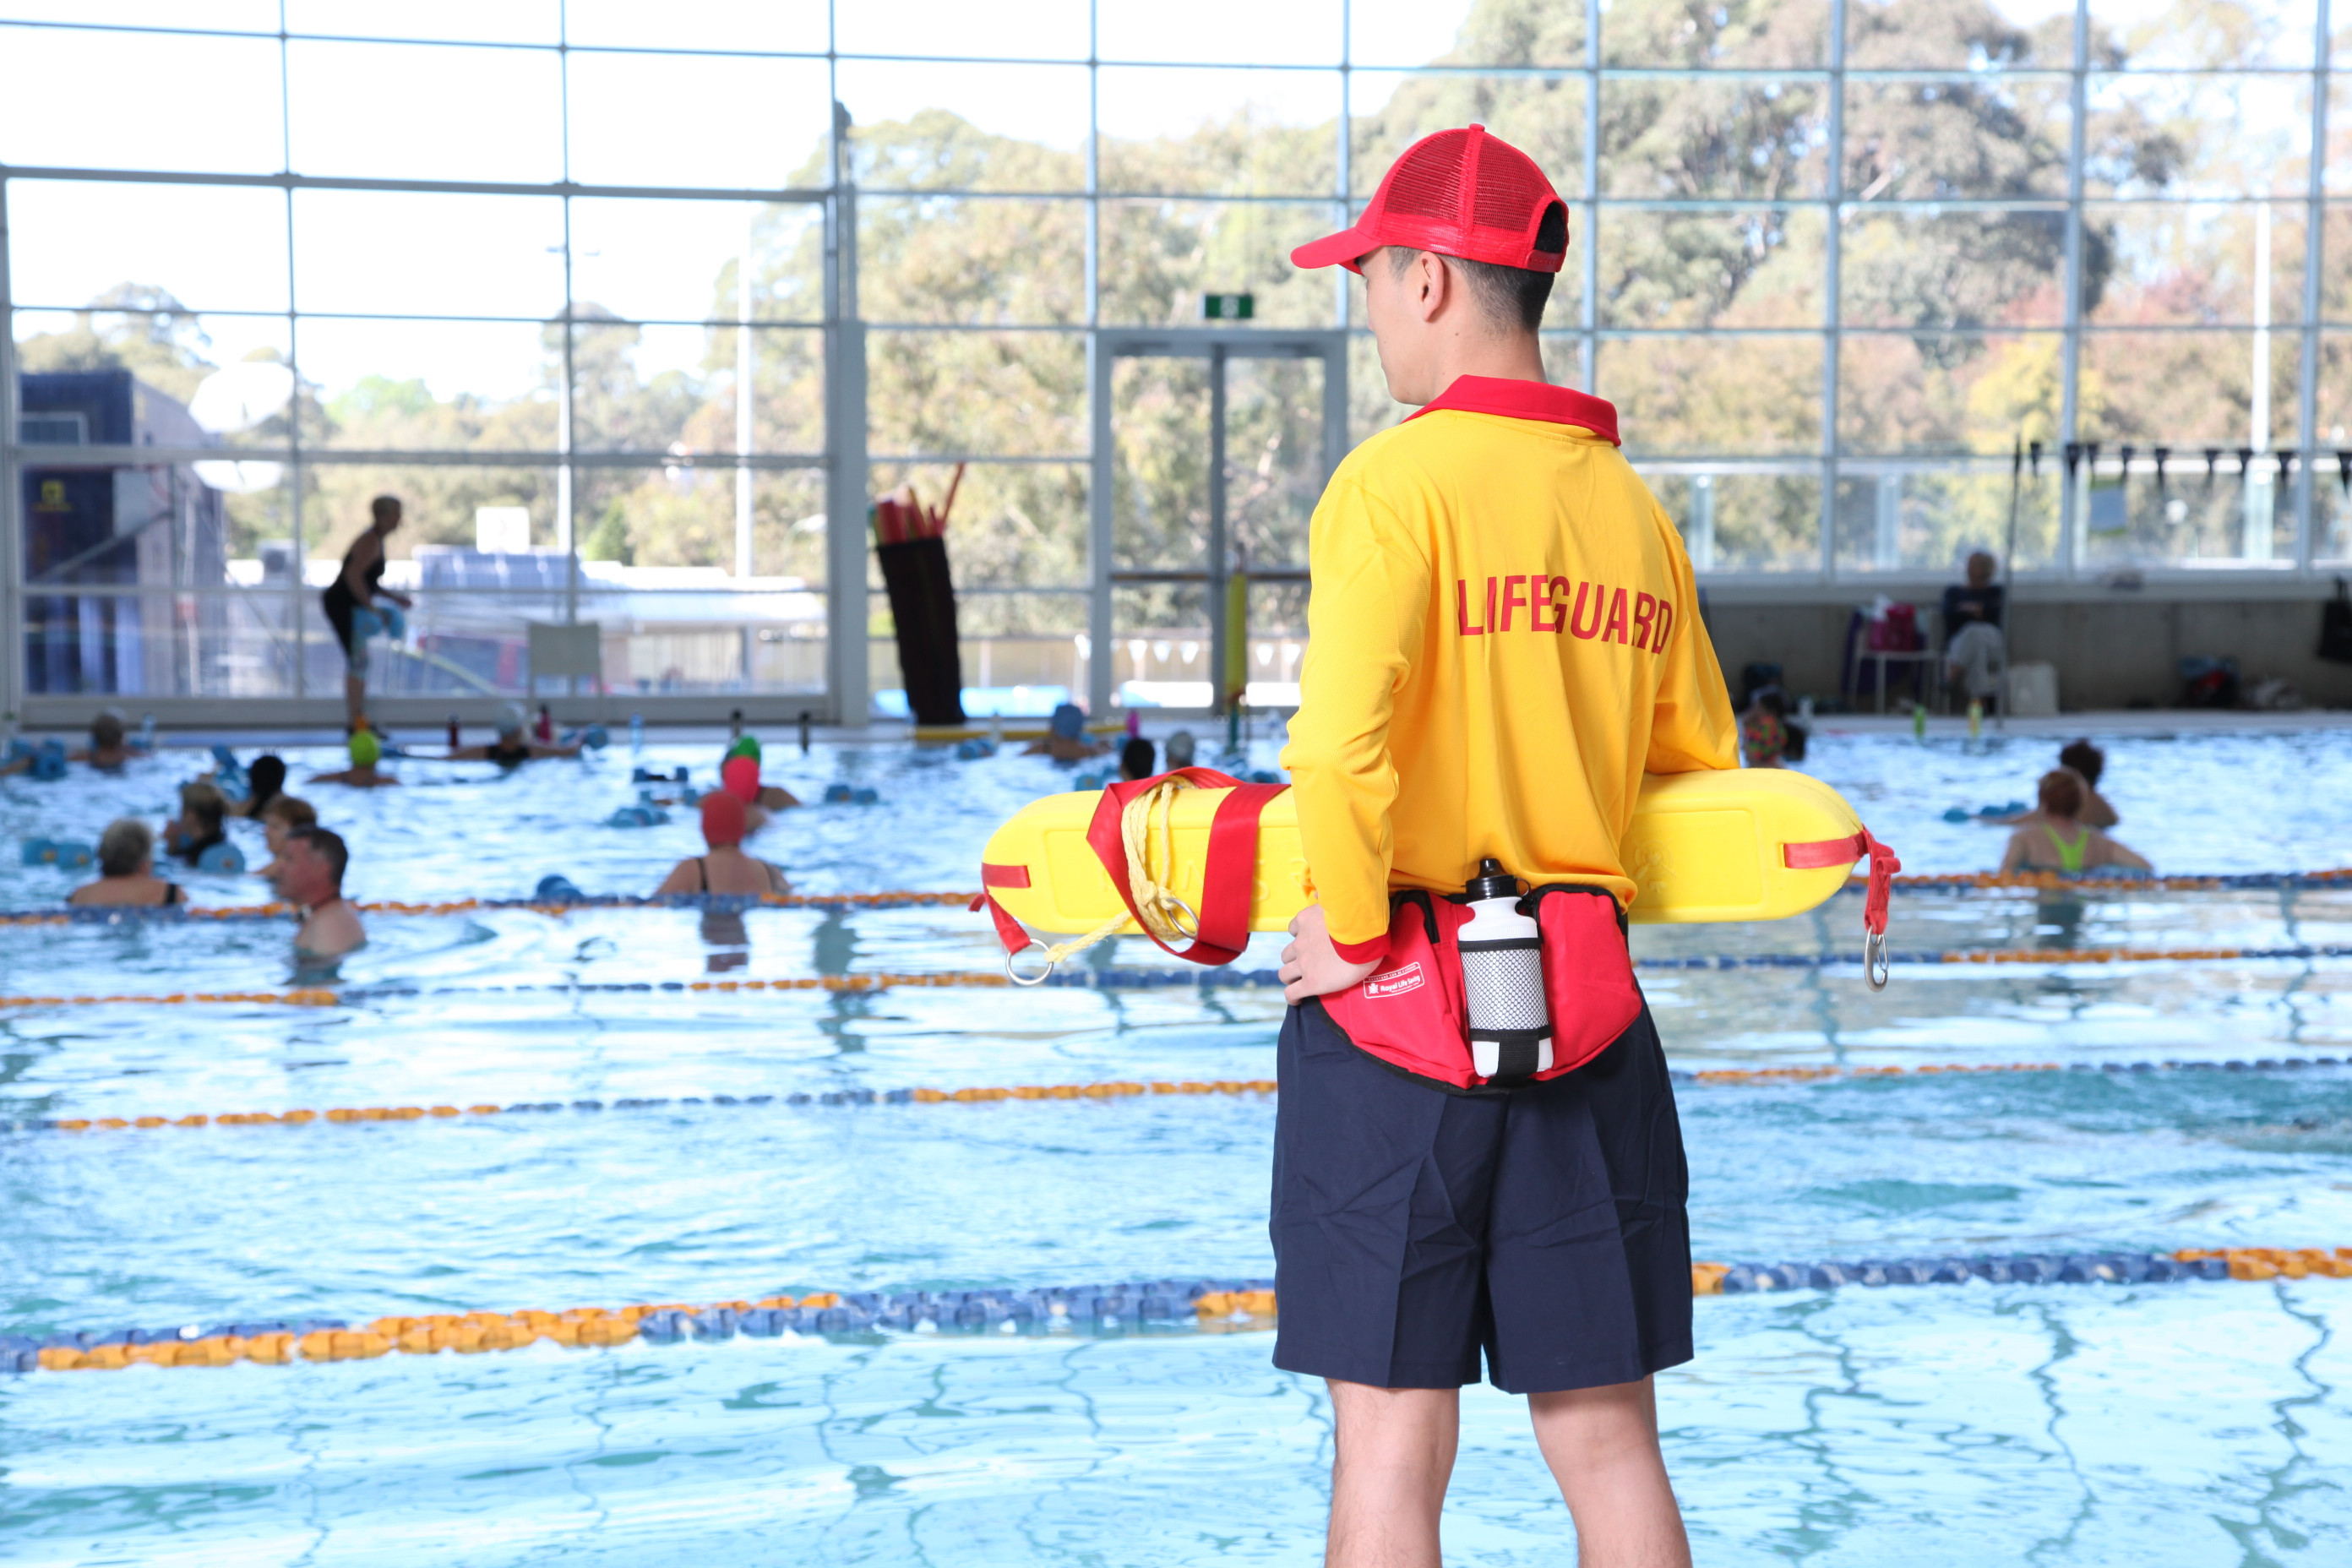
<point>740,778</point>
<point>722,818</point>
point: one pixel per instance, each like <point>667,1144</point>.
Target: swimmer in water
<point>726,869</point>
<point>1135,759</point>
<point>1068,743</point>
<point>281,816</point>
<point>2086,762</point>
<point>309,875</point>
<point>126,870</point>
<point>366,751</point>
<point>2060,840</point>
<point>199,826</point>
<point>514,745</point>
<point>1180,750</point>
<point>265,780</point>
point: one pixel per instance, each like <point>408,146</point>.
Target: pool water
<point>2181,1423</point>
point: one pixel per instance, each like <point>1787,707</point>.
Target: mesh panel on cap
<point>1510,191</point>
<point>1428,184</point>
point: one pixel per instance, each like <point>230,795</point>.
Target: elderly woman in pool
<point>126,870</point>
<point>2059,840</point>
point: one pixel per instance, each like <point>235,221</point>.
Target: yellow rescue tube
<point>1703,846</point>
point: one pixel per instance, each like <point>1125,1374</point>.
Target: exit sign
<point>1228,306</point>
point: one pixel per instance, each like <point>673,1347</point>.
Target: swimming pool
<point>2186,1422</point>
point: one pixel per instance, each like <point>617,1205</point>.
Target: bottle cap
<point>1492,882</point>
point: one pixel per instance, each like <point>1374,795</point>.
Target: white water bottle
<point>1502,980</point>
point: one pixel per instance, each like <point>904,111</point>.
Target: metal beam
<point>2315,216</point>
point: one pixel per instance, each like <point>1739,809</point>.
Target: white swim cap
<point>512,720</point>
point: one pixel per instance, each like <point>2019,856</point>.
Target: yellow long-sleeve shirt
<point>1503,636</point>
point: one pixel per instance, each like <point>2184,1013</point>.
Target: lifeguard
<point>1504,638</point>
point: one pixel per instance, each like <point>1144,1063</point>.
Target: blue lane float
<point>2022,1268</point>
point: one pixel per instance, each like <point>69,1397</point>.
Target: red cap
<point>741,776</point>
<point>722,818</point>
<point>1458,193</point>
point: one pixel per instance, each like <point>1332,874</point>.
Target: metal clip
<point>1875,970</point>
<point>1037,979</point>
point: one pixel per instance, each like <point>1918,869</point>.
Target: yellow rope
<point>1164,915</point>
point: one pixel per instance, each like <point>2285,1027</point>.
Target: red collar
<point>1526,400</point>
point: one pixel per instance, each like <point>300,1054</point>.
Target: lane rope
<point>734,903</point>
<point>1112,1090</point>
<point>1115,979</point>
<point>1142,1306</point>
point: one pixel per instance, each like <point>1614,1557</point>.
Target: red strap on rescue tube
<point>1822,853</point>
<point>1227,880</point>
<point>1008,930</point>
<point>1003,876</point>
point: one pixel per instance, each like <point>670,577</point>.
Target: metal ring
<point>1041,977</point>
<point>1875,970</point>
<point>1192,916</point>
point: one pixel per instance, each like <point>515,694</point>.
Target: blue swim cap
<point>1069,721</point>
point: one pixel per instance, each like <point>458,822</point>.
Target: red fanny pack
<point>1409,1012</point>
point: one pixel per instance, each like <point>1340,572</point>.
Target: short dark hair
<point>1135,758</point>
<point>2085,759</point>
<point>106,731</point>
<point>1512,297</point>
<point>331,848</point>
<point>2061,793</point>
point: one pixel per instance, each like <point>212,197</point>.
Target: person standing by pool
<point>357,587</point>
<point>2058,837</point>
<point>309,875</point>
<point>1503,636</point>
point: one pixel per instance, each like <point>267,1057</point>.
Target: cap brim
<point>1341,249</point>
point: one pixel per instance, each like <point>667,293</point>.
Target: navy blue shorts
<point>1414,1228</point>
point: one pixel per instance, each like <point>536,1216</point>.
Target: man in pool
<point>309,875</point>
<point>514,745</point>
<point>1065,739</point>
<point>1503,636</point>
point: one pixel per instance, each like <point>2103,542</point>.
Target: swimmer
<point>2060,840</point>
<point>309,875</point>
<point>199,826</point>
<point>726,869</point>
<point>281,816</point>
<point>126,870</point>
<point>514,745</point>
<point>366,751</point>
<point>2086,762</point>
<point>1068,743</point>
<point>265,779</point>
<point>1180,750</point>
<point>1135,759</point>
<point>1764,729</point>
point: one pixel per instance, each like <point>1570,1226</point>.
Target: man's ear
<point>1431,282</point>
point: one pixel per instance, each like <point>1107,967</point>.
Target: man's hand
<point>1311,967</point>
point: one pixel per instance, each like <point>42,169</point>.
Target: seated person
<point>199,826</point>
<point>726,869</point>
<point>364,774</point>
<point>1180,750</point>
<point>1972,634</point>
<point>1067,741</point>
<point>2086,762</point>
<point>126,869</point>
<point>514,745</point>
<point>309,875</point>
<point>263,780</point>
<point>110,746</point>
<point>1135,759</point>
<point>281,816</point>
<point>2060,840</point>
<point>1764,729</point>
